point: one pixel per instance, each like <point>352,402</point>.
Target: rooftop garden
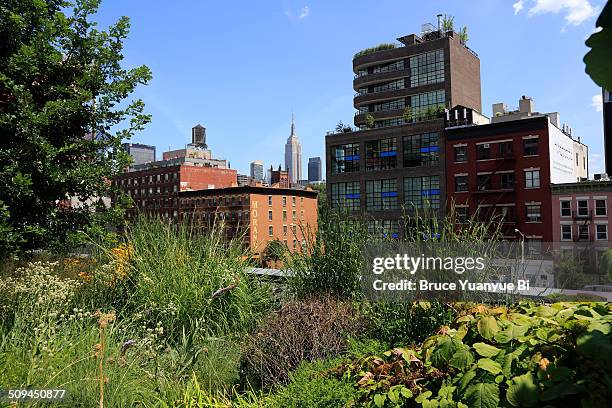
<point>379,47</point>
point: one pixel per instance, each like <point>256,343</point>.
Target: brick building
<point>506,168</point>
<point>154,187</point>
<point>395,159</point>
<point>258,213</point>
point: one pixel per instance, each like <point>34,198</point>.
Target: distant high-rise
<point>140,153</point>
<point>293,155</point>
<point>257,170</point>
<point>314,169</point>
<point>198,135</point>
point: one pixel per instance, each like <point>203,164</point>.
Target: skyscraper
<point>257,170</point>
<point>293,155</point>
<point>141,153</point>
<point>314,169</point>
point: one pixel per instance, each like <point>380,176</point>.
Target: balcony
<point>368,79</point>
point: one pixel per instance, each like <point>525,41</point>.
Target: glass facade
<point>422,192</point>
<point>345,158</point>
<point>381,154</point>
<point>381,195</point>
<point>346,196</point>
<point>421,150</point>
<point>427,68</point>
<point>383,228</point>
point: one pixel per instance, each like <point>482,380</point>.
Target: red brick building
<point>506,168</point>
<point>155,187</point>
<point>255,213</point>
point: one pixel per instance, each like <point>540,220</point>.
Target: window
<point>600,207</point>
<point>389,86</point>
<point>583,208</point>
<point>420,104</point>
<point>293,201</point>
<point>461,214</point>
<point>381,195</point>
<point>421,150</point>
<point>422,192</point>
<point>270,200</point>
<point>387,123</point>
<point>427,68</point>
<point>566,208</point>
<point>530,146</point>
<point>346,195</point>
<point>506,181</point>
<point>284,230</point>
<point>461,183</point>
<point>284,201</point>
<point>293,215</point>
<point>601,232</point>
<point>393,66</point>
<point>566,232</point>
<point>484,182</point>
<point>505,149</point>
<point>389,105</point>
<point>483,151</point>
<point>345,158</point>
<point>533,213</point>
<point>270,230</point>
<point>284,215</point>
<point>383,228</point>
<point>532,178</point>
<point>381,154</point>
<point>460,154</point>
<point>507,214</point>
<point>583,232</point>
<point>270,215</point>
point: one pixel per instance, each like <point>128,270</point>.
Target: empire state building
<point>293,155</point>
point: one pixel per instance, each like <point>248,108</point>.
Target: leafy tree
<point>63,116</point>
<point>275,250</point>
<point>369,118</point>
<point>599,59</point>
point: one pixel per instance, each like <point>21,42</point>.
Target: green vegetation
<point>379,47</point>
<point>62,90</point>
<point>598,60</point>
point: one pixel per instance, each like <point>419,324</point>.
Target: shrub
<point>380,47</point>
<point>401,323</point>
<point>300,331</point>
<point>527,356</point>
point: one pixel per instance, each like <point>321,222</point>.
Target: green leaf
<point>595,345</point>
<point>462,359</point>
<point>444,351</point>
<point>482,395</point>
<point>598,60</point>
<point>523,392</point>
<point>558,391</point>
<point>486,350</point>
<point>487,327</point>
<point>489,365</point>
<point>464,382</point>
<point>379,400</point>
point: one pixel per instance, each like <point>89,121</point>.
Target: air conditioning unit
<point>486,145</point>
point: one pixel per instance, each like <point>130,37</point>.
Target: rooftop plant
<point>379,47</point>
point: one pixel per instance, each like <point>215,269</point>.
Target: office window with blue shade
<point>345,158</point>
<point>422,192</point>
<point>381,154</point>
<point>421,150</point>
<point>346,196</point>
<point>383,229</point>
<point>381,195</point>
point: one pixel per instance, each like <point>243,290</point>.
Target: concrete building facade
<point>257,170</point>
<point>141,153</point>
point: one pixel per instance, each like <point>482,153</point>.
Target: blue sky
<point>240,68</point>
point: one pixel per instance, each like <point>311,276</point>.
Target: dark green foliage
<point>599,59</point>
<point>63,116</point>
<point>380,47</point>
<point>402,323</point>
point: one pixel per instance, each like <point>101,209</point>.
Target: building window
<point>389,105</point>
<point>293,215</point>
<point>532,178</point>
<point>505,149</point>
<point>427,68</point>
<point>566,232</point>
<point>583,208</point>
<point>270,215</point>
<point>284,230</point>
<point>381,154</point>
<point>345,158</point>
<point>284,215</point>
<point>506,181</point>
<point>483,151</point>
<point>389,86</point>
<point>507,214</point>
<point>461,214</point>
<point>533,212</point>
<point>461,154</point>
<point>270,200</point>
<point>422,192</point>
<point>383,228</point>
<point>530,146</point>
<point>284,201</point>
<point>583,232</point>
<point>601,232</point>
<point>461,183</point>
<point>484,182</point>
<point>422,104</point>
<point>421,150</point>
<point>381,195</point>
<point>601,207</point>
<point>393,66</point>
<point>566,208</point>
<point>293,201</point>
<point>346,196</point>
<point>270,230</point>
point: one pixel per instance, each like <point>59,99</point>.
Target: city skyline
<point>205,89</point>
